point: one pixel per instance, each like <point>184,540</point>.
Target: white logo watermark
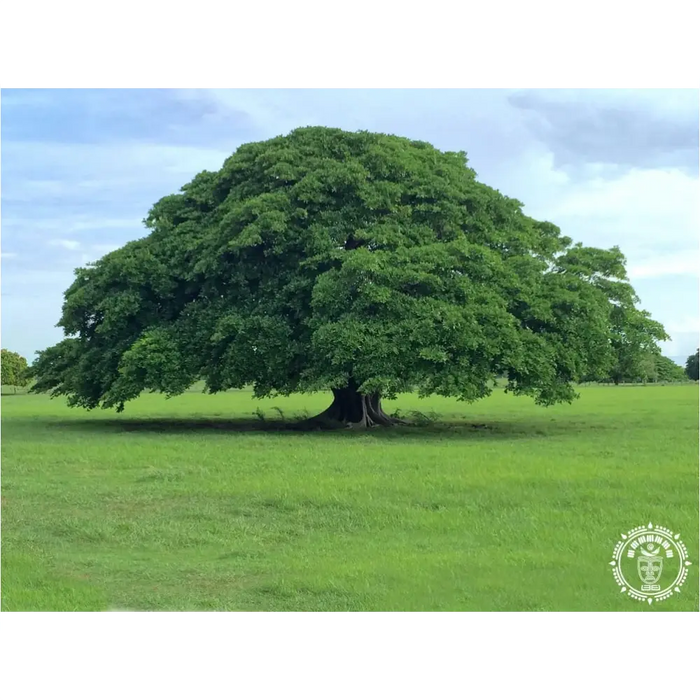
<point>650,563</point>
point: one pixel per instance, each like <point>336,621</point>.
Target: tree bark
<point>351,409</point>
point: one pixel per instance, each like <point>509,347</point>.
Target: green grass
<point>187,504</point>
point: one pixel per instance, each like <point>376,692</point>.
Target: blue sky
<point>81,168</point>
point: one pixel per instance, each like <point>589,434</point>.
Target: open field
<point>186,504</point>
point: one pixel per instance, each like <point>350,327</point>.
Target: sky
<point>81,169</point>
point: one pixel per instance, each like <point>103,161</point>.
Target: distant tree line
<point>643,368</point>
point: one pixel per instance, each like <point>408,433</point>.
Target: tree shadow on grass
<point>438,430</point>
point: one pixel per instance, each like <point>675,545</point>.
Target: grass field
<point>188,504</point>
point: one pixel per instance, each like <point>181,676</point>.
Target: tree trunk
<point>350,409</point>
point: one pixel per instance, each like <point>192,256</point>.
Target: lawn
<point>194,503</point>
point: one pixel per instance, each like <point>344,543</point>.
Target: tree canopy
<point>363,263</point>
<point>14,369</point>
<point>691,366</point>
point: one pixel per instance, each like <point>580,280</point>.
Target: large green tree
<point>360,263</point>
<point>14,369</point>
<point>691,366</point>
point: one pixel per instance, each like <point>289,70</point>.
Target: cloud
<point>687,324</point>
<point>81,184</point>
<point>88,194</point>
<point>88,252</point>
<point>105,248</point>
<point>77,224</point>
<point>680,346</point>
<point>644,211</point>
<point>8,255</point>
<point>633,192</point>
<point>31,306</point>
<point>78,229</point>
<point>67,244</point>
<point>92,166</point>
<point>677,264</point>
<point>622,128</point>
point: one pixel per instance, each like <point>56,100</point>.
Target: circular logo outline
<point>674,540</point>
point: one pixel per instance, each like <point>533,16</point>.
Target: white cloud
<point>65,243</point>
<point>685,263</point>
<point>69,224</point>
<point>88,253</point>
<point>675,102</point>
<point>687,324</point>
<point>31,305</point>
<point>671,187</point>
<point>8,255</point>
<point>680,346</point>
<point>105,248</point>
<point>273,112</point>
<point>97,251</point>
<point>65,166</point>
<point>642,209</point>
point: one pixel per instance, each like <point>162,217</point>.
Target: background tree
<point>14,369</point>
<point>362,263</point>
<point>647,369</point>
<point>691,366</point>
<point>634,343</point>
<point>668,371</point>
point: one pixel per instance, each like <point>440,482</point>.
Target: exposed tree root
<point>350,409</point>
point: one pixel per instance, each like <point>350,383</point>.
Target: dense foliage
<point>359,262</point>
